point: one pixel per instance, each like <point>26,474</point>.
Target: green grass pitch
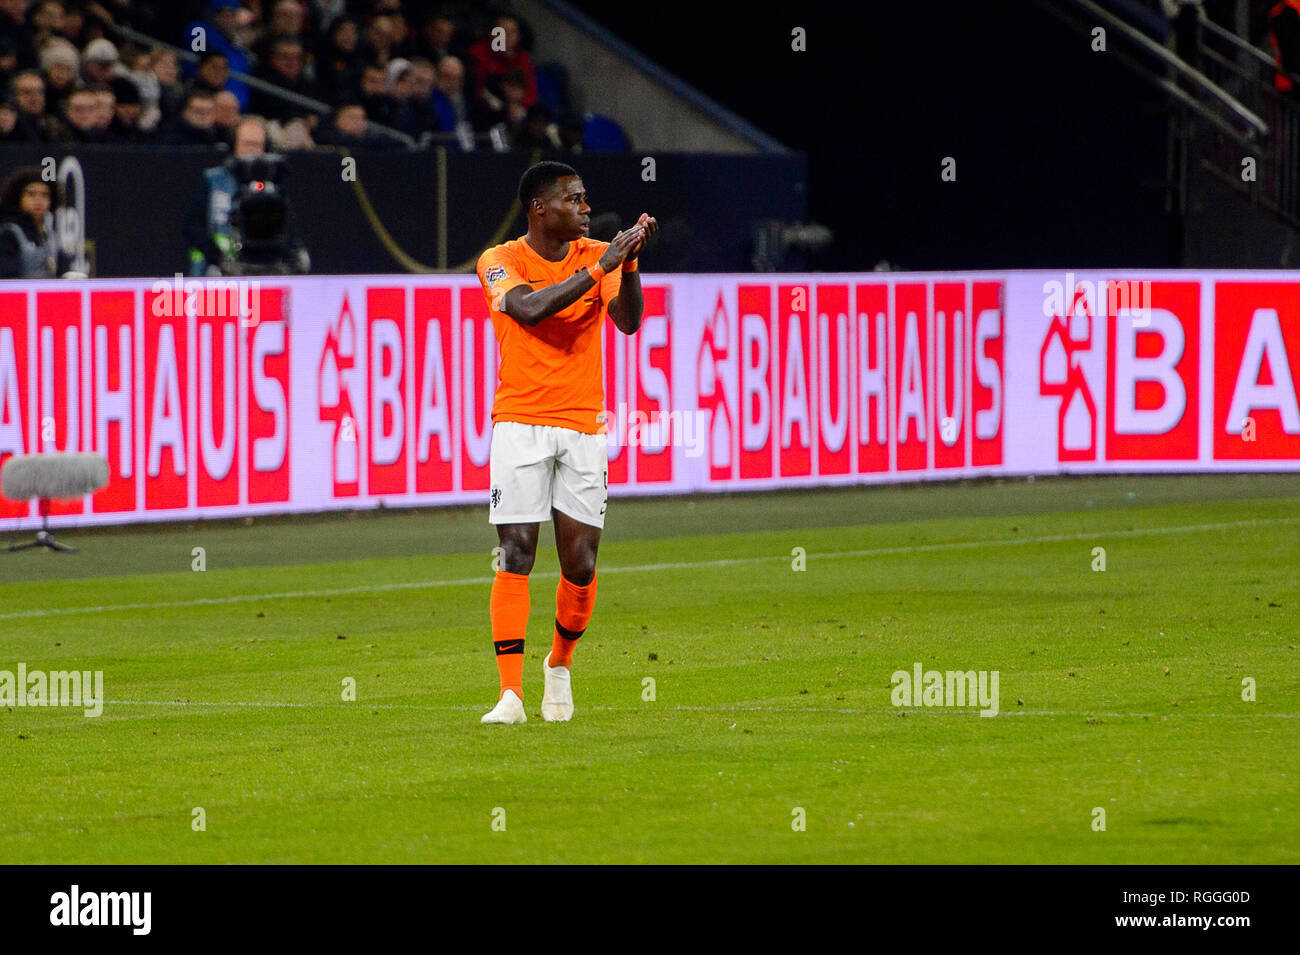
<point>1119,689</point>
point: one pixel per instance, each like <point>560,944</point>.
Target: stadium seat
<point>603,135</point>
<point>553,87</point>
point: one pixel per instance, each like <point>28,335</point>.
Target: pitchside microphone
<point>49,477</point>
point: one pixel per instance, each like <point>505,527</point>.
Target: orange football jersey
<point>551,373</point>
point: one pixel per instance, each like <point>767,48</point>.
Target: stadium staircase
<point>607,78</point>
<point>1233,168</point>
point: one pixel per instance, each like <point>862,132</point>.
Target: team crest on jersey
<point>494,274</point>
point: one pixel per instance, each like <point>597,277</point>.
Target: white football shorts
<point>535,467</point>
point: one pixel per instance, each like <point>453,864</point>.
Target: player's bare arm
<point>628,307</point>
<point>556,217</point>
<point>528,306</point>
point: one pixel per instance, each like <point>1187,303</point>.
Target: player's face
<point>567,208</point>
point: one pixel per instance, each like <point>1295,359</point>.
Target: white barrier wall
<point>315,393</point>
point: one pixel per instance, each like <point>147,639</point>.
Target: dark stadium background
<point>1060,151</point>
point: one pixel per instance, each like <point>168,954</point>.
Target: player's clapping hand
<point>649,226</point>
<point>622,244</point>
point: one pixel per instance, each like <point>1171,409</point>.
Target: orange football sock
<point>572,613</point>
<point>508,608</point>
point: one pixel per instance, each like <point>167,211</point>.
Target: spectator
<point>225,116</point>
<point>326,13</point>
<point>250,136</point>
<point>28,248</point>
<point>285,69</point>
<point>347,127</point>
<point>294,133</point>
<point>213,73</point>
<point>143,70</point>
<point>9,131</point>
<point>287,19</point>
<point>15,29</point>
<point>350,129</point>
<point>571,128</point>
<point>128,110</point>
<point>48,19</point>
<point>338,61</point>
<point>499,53</point>
<point>424,78</point>
<point>164,77</point>
<point>502,103</point>
<point>438,38</point>
<point>381,37</point>
<point>449,106</point>
<point>74,27</point>
<point>33,124</point>
<point>219,31</point>
<point>398,28</point>
<point>82,116</point>
<point>99,62</point>
<point>538,130</point>
<point>413,117</point>
<point>60,62</point>
<point>134,61</point>
<point>105,110</point>
<point>195,124</point>
<point>8,61</point>
<point>379,106</point>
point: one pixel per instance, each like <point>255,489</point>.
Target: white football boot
<point>509,709</point>
<point>557,697</point>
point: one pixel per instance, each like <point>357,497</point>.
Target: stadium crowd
<point>377,73</point>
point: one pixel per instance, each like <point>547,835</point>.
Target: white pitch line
<point>644,568</point>
<point>720,708</point>
<point>249,598</point>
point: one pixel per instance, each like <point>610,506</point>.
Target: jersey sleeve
<point>499,272</point>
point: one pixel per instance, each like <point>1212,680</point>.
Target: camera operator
<point>225,225</point>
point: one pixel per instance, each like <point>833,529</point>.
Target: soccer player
<point>547,293</point>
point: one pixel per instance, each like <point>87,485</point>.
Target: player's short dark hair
<point>539,177</point>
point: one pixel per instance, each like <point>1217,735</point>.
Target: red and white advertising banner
<point>219,398</point>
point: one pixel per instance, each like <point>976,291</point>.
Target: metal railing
<point>257,83</point>
<point>1233,62</point>
<point>1180,80</point>
<point>1234,124</point>
<point>464,139</point>
<point>1262,57</point>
